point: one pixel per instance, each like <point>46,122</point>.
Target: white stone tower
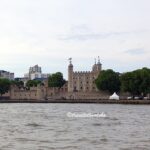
<point>70,76</point>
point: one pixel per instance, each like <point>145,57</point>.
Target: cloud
<point>48,32</point>
<point>83,33</point>
<point>136,51</point>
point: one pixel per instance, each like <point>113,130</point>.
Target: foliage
<point>33,83</point>
<point>136,82</point>
<point>108,80</point>
<point>56,80</point>
<point>18,83</point>
<point>4,86</point>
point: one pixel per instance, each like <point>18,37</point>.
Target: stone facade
<point>83,81</point>
<point>38,93</point>
<point>35,93</point>
<point>57,93</point>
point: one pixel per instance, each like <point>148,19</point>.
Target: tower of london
<point>83,81</point>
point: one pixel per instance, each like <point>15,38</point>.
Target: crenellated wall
<point>35,93</point>
<point>82,72</point>
<point>38,93</point>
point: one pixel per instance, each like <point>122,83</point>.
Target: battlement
<point>82,72</point>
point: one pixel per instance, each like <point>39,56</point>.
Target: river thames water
<point>47,127</point>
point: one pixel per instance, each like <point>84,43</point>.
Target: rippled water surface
<point>47,127</point>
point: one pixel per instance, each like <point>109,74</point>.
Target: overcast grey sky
<point>48,32</point>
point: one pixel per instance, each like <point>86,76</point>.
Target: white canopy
<point>114,96</point>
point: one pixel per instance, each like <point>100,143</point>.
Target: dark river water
<point>47,127</point>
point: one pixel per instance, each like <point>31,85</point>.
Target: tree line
<point>136,82</point>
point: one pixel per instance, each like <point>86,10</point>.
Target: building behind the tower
<point>35,72</point>
<point>6,74</point>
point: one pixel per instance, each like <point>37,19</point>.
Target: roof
<point>114,96</point>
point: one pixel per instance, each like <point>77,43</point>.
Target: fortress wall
<point>87,95</point>
<point>19,95</point>
<point>6,94</point>
<point>35,93</point>
<point>57,93</point>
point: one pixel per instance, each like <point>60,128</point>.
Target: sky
<point>48,32</point>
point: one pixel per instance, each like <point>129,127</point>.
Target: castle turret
<point>97,67</point>
<point>70,76</point>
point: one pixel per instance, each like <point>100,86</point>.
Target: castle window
<point>87,88</point>
<point>87,82</point>
<point>81,87</point>
<point>75,88</point>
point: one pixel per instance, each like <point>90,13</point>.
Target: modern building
<point>83,81</point>
<point>35,72</point>
<point>6,74</point>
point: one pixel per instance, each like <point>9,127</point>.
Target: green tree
<point>136,82</point>
<point>144,87</point>
<point>33,83</point>
<point>127,83</point>
<point>56,80</point>
<point>18,83</point>
<point>4,86</point>
<point>108,80</point>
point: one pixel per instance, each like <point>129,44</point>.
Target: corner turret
<point>97,67</point>
<point>70,75</point>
